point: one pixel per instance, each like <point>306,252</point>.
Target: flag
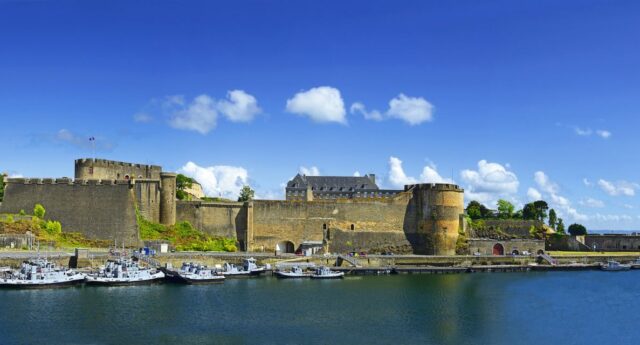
<point>92,139</point>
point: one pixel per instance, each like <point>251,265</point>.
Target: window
<point>353,227</point>
<point>324,226</point>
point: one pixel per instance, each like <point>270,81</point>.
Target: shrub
<point>9,218</point>
<point>53,227</point>
<point>22,213</point>
<point>39,211</point>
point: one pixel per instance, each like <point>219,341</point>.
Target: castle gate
<point>498,249</point>
<point>285,247</point>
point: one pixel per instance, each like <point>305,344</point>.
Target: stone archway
<point>540,252</point>
<point>515,252</point>
<point>498,249</point>
<point>286,247</point>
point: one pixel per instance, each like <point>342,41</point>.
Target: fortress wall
<point>88,168</point>
<point>99,210</point>
<point>216,219</point>
<point>147,194</point>
<point>296,221</point>
<point>613,242</point>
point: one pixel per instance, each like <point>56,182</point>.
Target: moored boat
<point>294,272</point>
<point>123,271</point>
<point>40,273</point>
<point>192,273</point>
<point>612,265</point>
<point>249,268</point>
<point>324,272</point>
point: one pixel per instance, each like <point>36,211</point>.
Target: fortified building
<point>105,197</point>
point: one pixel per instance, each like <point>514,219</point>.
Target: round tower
<point>439,207</point>
<point>167,198</point>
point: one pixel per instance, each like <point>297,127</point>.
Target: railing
<point>145,258</point>
<point>348,259</point>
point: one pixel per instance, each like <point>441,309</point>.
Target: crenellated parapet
<point>89,168</point>
<point>449,187</point>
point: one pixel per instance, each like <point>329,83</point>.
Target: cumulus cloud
<point>321,104</point>
<point>591,202</point>
<point>398,178</point>
<point>356,174</point>
<point>544,183</point>
<point>618,188</point>
<point>312,171</point>
<point>491,178</point>
<point>583,132</point>
<point>358,107</point>
<point>533,194</point>
<point>413,110</point>
<point>220,180</point>
<point>200,115</point>
<point>239,106</point>
<point>587,182</point>
<point>142,117</point>
<point>603,133</point>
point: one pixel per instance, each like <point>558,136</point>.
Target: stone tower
<point>167,198</point>
<point>438,208</point>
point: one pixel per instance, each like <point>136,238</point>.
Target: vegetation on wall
<point>246,194</point>
<point>2,176</point>
<point>184,237</point>
<point>47,232</point>
<point>182,183</point>
<point>462,243</point>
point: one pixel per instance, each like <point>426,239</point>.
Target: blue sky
<point>513,100</point>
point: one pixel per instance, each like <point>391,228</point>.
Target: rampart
<point>613,242</point>
<point>89,168</point>
<point>216,218</point>
<point>99,209</point>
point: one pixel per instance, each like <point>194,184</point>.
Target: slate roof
<point>333,183</point>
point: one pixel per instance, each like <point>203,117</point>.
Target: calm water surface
<point>499,308</point>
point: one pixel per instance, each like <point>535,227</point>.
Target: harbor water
<point>589,307</point>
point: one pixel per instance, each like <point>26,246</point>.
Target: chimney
<point>372,177</point>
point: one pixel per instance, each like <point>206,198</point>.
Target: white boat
<point>124,271</point>
<point>192,273</point>
<point>612,265</point>
<point>295,272</point>
<point>40,273</point>
<point>324,272</point>
<point>249,268</point>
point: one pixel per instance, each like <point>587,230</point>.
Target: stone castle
<point>338,215</point>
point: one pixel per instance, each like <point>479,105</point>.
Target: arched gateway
<point>498,249</point>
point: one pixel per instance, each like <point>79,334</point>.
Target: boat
<point>635,264</point>
<point>324,272</point>
<point>612,265</point>
<point>123,271</point>
<point>249,268</point>
<point>39,273</point>
<point>294,272</point>
<point>192,273</point>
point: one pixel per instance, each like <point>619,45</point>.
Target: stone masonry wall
<point>216,219</point>
<point>99,210</point>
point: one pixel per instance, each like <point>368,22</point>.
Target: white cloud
<point>200,115</point>
<point>544,183</point>
<point>358,107</point>
<point>587,182</point>
<point>591,202</point>
<point>219,180</point>
<point>321,104</point>
<point>142,117</point>
<point>413,110</point>
<point>490,178</point>
<point>618,188</point>
<point>556,201</point>
<point>397,176</point>
<point>533,194</point>
<point>239,106</point>
<point>583,132</point>
<point>312,171</point>
<point>357,174</point>
<point>603,133</point>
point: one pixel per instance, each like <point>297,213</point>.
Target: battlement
<point>445,187</point>
<point>109,163</point>
<point>70,181</point>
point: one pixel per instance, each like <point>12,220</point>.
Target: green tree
<point>182,183</point>
<point>553,219</point>
<point>39,211</point>
<point>560,226</point>
<point>529,212</point>
<point>476,210</point>
<point>505,209</point>
<point>53,227</point>
<point>246,194</point>
<point>577,229</point>
<point>541,207</point>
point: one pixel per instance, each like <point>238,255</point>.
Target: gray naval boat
<point>249,268</point>
<point>193,273</point>
<point>39,273</point>
<point>124,271</point>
